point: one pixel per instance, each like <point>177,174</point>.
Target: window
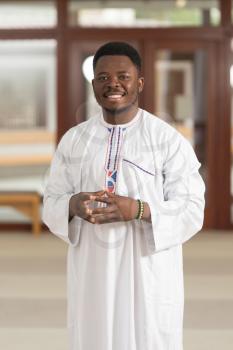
<point>157,13</point>
<point>24,14</point>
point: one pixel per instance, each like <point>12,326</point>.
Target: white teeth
<point>115,96</point>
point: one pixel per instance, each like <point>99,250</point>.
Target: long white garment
<point>125,280</point>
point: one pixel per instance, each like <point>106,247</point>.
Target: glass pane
<point>27,116</point>
<point>181,95</point>
<point>139,13</point>
<point>25,14</point>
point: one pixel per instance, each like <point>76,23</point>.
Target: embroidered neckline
<point>123,126</point>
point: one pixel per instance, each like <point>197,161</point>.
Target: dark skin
<point>117,85</point>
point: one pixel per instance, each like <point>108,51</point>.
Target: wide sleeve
<point>179,214</point>
<point>58,192</point>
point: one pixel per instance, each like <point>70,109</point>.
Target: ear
<point>140,84</point>
<point>93,85</point>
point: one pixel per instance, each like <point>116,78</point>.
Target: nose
<point>113,81</point>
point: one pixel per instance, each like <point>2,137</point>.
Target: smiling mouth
<point>114,96</point>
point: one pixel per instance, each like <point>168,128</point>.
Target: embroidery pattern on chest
<point>115,141</point>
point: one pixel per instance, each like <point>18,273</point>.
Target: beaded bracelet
<point>140,209</point>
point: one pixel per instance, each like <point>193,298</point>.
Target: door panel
<point>184,82</point>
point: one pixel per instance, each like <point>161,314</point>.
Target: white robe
<point>125,280</point>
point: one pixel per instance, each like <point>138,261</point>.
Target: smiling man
<point>117,85</point>
<point>125,193</point>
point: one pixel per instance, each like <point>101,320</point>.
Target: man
<point>125,193</point>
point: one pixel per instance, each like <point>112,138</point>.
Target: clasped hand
<point>116,208</point>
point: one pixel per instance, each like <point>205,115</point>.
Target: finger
<point>104,210</point>
<point>86,196</point>
<point>86,213</point>
<point>105,219</point>
<point>87,202</point>
<point>101,219</point>
<point>86,208</point>
<point>89,211</point>
<point>111,195</point>
<point>104,200</point>
<point>91,195</point>
<point>98,193</point>
<point>90,219</point>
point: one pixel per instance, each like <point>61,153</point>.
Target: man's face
<point>116,84</point>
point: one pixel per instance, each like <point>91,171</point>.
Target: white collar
<point>125,125</point>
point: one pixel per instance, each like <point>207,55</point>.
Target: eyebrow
<point>119,72</point>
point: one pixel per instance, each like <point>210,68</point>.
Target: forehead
<point>114,62</point>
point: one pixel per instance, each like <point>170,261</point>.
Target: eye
<point>102,78</point>
<point>124,76</point>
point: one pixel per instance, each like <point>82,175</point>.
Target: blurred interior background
<point>46,50</point>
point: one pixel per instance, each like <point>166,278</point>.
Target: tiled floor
<point>208,266</point>
<point>33,292</point>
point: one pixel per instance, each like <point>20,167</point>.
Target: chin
<point>117,110</point>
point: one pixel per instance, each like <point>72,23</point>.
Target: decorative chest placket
<point>115,142</point>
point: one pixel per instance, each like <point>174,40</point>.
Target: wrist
<point>140,210</point>
<point>73,205</point>
<point>146,214</point>
<point>71,211</point>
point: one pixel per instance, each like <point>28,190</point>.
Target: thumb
<point>99,193</point>
<point>109,194</point>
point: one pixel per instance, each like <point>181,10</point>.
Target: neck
<point>115,117</point>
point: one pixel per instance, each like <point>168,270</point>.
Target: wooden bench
<point>27,203</point>
<point>26,138</point>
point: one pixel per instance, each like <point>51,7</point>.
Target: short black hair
<point>118,48</point>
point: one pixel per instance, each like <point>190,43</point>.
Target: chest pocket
<point>136,177</point>
<point>139,167</point>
